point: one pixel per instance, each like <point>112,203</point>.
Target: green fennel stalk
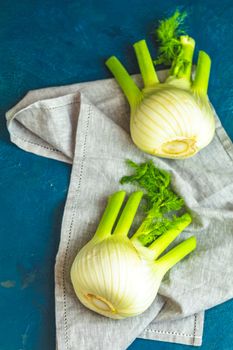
<point>159,242</point>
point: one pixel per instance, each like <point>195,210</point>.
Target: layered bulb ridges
<point>114,280</point>
<point>171,122</point>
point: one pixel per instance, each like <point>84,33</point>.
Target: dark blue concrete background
<point>44,43</point>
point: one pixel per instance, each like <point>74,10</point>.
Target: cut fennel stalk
<point>117,276</point>
<point>173,119</point>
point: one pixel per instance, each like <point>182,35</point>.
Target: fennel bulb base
<point>178,148</point>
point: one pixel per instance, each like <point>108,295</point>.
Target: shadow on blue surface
<point>61,42</point>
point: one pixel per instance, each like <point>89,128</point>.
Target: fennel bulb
<point>117,276</point>
<point>173,119</point>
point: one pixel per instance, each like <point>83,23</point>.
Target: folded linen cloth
<point>88,125</point>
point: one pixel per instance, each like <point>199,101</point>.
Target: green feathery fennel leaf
<point>156,184</point>
<point>157,228</point>
<point>168,34</point>
<point>159,196</point>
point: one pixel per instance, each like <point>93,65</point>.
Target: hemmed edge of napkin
<point>173,336</point>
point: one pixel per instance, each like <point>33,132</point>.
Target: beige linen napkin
<point>88,125</point>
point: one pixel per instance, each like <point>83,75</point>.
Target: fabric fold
<point>88,125</point>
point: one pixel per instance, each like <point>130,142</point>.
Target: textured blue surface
<point>44,43</point>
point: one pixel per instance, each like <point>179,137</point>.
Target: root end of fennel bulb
<point>173,119</point>
<point>119,276</point>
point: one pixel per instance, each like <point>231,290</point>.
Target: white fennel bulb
<point>173,119</point>
<point>117,276</point>
<point>172,122</point>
